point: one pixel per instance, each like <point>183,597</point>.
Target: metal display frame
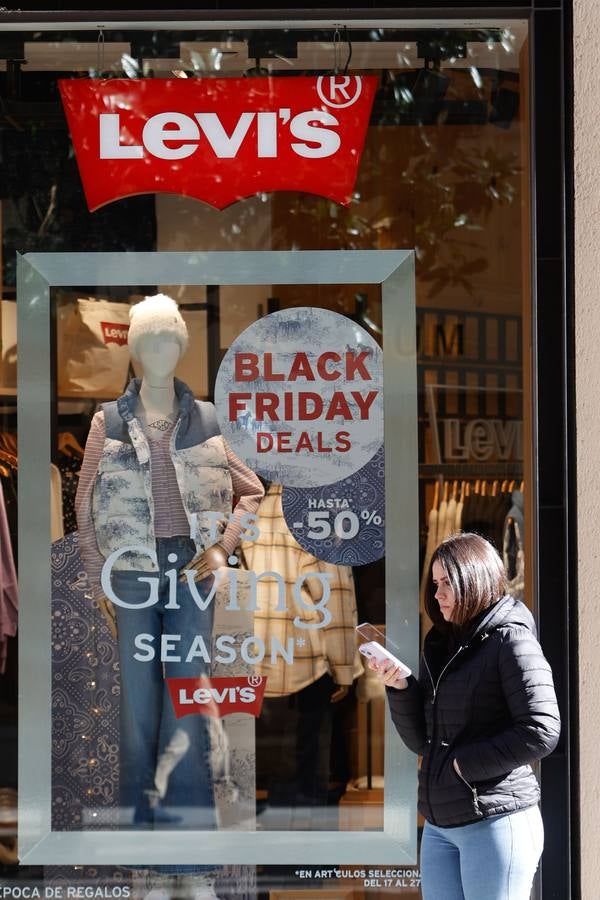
<point>37,274</point>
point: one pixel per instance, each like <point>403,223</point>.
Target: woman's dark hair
<point>476,575</point>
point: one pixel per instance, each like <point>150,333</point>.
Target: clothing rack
<point>451,471</point>
<point>492,507</point>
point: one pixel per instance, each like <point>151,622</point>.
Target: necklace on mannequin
<point>161,424</point>
<point>157,421</point>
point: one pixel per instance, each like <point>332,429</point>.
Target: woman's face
<point>443,591</point>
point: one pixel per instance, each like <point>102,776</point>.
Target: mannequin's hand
<point>212,559</point>
<point>108,611</point>
<point>341,691</point>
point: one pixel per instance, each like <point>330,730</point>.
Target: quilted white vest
<point>122,504</point>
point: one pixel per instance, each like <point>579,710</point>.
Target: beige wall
<point>587,311</point>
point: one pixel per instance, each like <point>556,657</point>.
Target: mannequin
<point>154,464</point>
<point>157,409</point>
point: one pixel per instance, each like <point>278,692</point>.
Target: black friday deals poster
<point>299,398</point>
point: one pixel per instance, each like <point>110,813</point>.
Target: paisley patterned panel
<point>85,694</point>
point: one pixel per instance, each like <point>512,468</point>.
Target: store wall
<point>587,317</point>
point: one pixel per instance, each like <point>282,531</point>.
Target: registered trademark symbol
<point>339,91</point>
<point>254,680</point>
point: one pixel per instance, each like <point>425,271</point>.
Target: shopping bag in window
<point>93,357</point>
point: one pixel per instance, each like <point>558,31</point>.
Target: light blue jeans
<point>160,754</point>
<point>495,859</point>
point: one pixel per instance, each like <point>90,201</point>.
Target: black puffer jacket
<point>491,705</point>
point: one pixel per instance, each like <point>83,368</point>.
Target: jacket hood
<point>507,611</point>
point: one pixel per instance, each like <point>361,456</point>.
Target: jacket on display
<point>491,705</point>
<point>122,505</point>
<point>330,650</point>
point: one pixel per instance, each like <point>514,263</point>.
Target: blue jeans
<point>165,770</point>
<point>494,859</point>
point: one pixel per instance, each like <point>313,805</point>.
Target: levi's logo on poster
<point>217,697</point>
<point>218,139</point>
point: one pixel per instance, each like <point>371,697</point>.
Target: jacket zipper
<point>435,686</point>
<point>473,790</point>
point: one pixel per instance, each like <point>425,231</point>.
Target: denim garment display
<point>165,767</point>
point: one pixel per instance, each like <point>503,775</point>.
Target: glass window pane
<point>444,174</point>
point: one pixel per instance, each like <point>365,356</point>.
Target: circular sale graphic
<point>299,397</point>
<point>342,523</point>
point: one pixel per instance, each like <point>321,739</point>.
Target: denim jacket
<point>122,504</point>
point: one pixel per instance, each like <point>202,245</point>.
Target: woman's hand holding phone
<point>389,674</point>
<point>389,669</point>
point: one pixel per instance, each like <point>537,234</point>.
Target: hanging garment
<point>9,602</point>
<point>471,520</point>
<point>484,514</point>
<point>441,522</point>
<point>9,483</point>
<point>432,542</point>
<point>458,519</point>
<point>69,467</point>
<point>330,650</point>
<point>499,513</point>
<point>56,509</point>
<point>513,546</point>
<point>448,527</point>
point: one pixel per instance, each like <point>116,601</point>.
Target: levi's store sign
<point>219,139</point>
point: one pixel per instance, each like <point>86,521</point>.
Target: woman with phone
<point>481,712</point>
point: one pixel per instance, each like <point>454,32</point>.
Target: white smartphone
<point>374,649</point>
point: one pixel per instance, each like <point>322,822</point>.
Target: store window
<point>197,719</point>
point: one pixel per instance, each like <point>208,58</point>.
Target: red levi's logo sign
<point>114,333</point>
<point>217,697</point>
<point>218,139</point>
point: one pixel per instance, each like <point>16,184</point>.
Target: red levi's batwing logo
<point>218,139</point>
<point>217,697</point>
<point>114,333</point>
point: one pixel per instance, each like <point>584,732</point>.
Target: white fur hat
<point>156,315</point>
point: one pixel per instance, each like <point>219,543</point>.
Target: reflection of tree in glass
<point>445,186</point>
